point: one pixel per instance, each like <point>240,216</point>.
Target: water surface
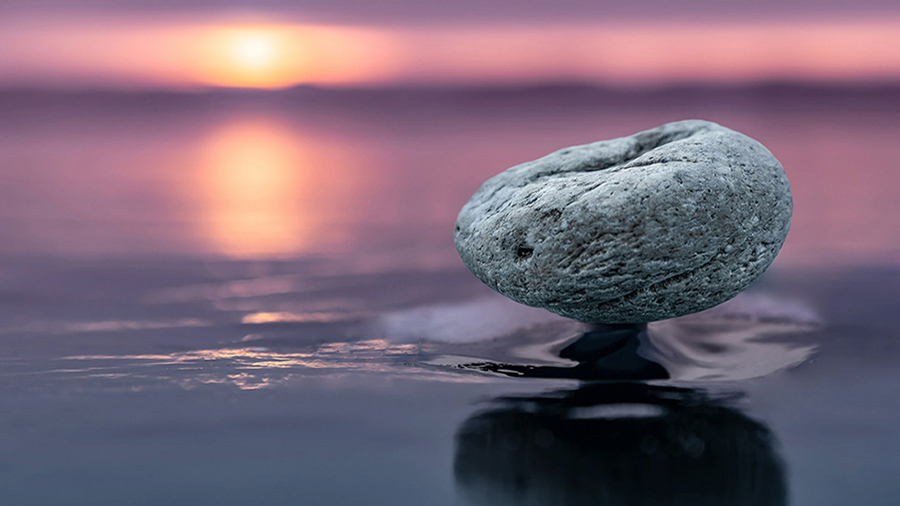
<point>231,298</point>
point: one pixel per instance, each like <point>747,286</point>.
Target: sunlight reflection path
<point>247,368</point>
<point>268,190</point>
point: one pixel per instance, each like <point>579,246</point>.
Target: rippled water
<point>226,299</point>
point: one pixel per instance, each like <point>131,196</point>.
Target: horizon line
<point>474,86</point>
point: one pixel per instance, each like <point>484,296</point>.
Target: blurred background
<point>279,129</point>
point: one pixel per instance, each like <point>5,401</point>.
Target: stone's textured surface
<point>663,223</point>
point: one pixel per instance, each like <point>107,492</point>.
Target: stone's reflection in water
<point>618,444</point>
<point>742,339</point>
<point>604,352</point>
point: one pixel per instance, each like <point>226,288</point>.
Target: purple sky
<point>478,11</point>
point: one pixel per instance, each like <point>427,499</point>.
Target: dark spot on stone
<point>523,252</point>
<point>553,214</point>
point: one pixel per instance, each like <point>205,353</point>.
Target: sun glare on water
<point>253,183</point>
<point>266,189</point>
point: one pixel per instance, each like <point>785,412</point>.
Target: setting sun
<point>277,56</point>
<point>255,51</point>
<point>259,57</point>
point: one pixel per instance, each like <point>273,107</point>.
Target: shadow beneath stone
<point>618,444</point>
<point>604,352</point>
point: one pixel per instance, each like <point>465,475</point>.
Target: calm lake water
<point>234,298</point>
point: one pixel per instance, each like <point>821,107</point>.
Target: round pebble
<point>663,223</point>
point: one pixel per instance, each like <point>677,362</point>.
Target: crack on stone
<point>647,163</point>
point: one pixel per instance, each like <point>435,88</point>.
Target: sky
<point>196,44</point>
<point>433,12</point>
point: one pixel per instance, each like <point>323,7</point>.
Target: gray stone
<point>659,224</point>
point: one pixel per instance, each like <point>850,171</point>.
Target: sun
<point>277,55</point>
<point>255,51</point>
<point>254,57</point>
